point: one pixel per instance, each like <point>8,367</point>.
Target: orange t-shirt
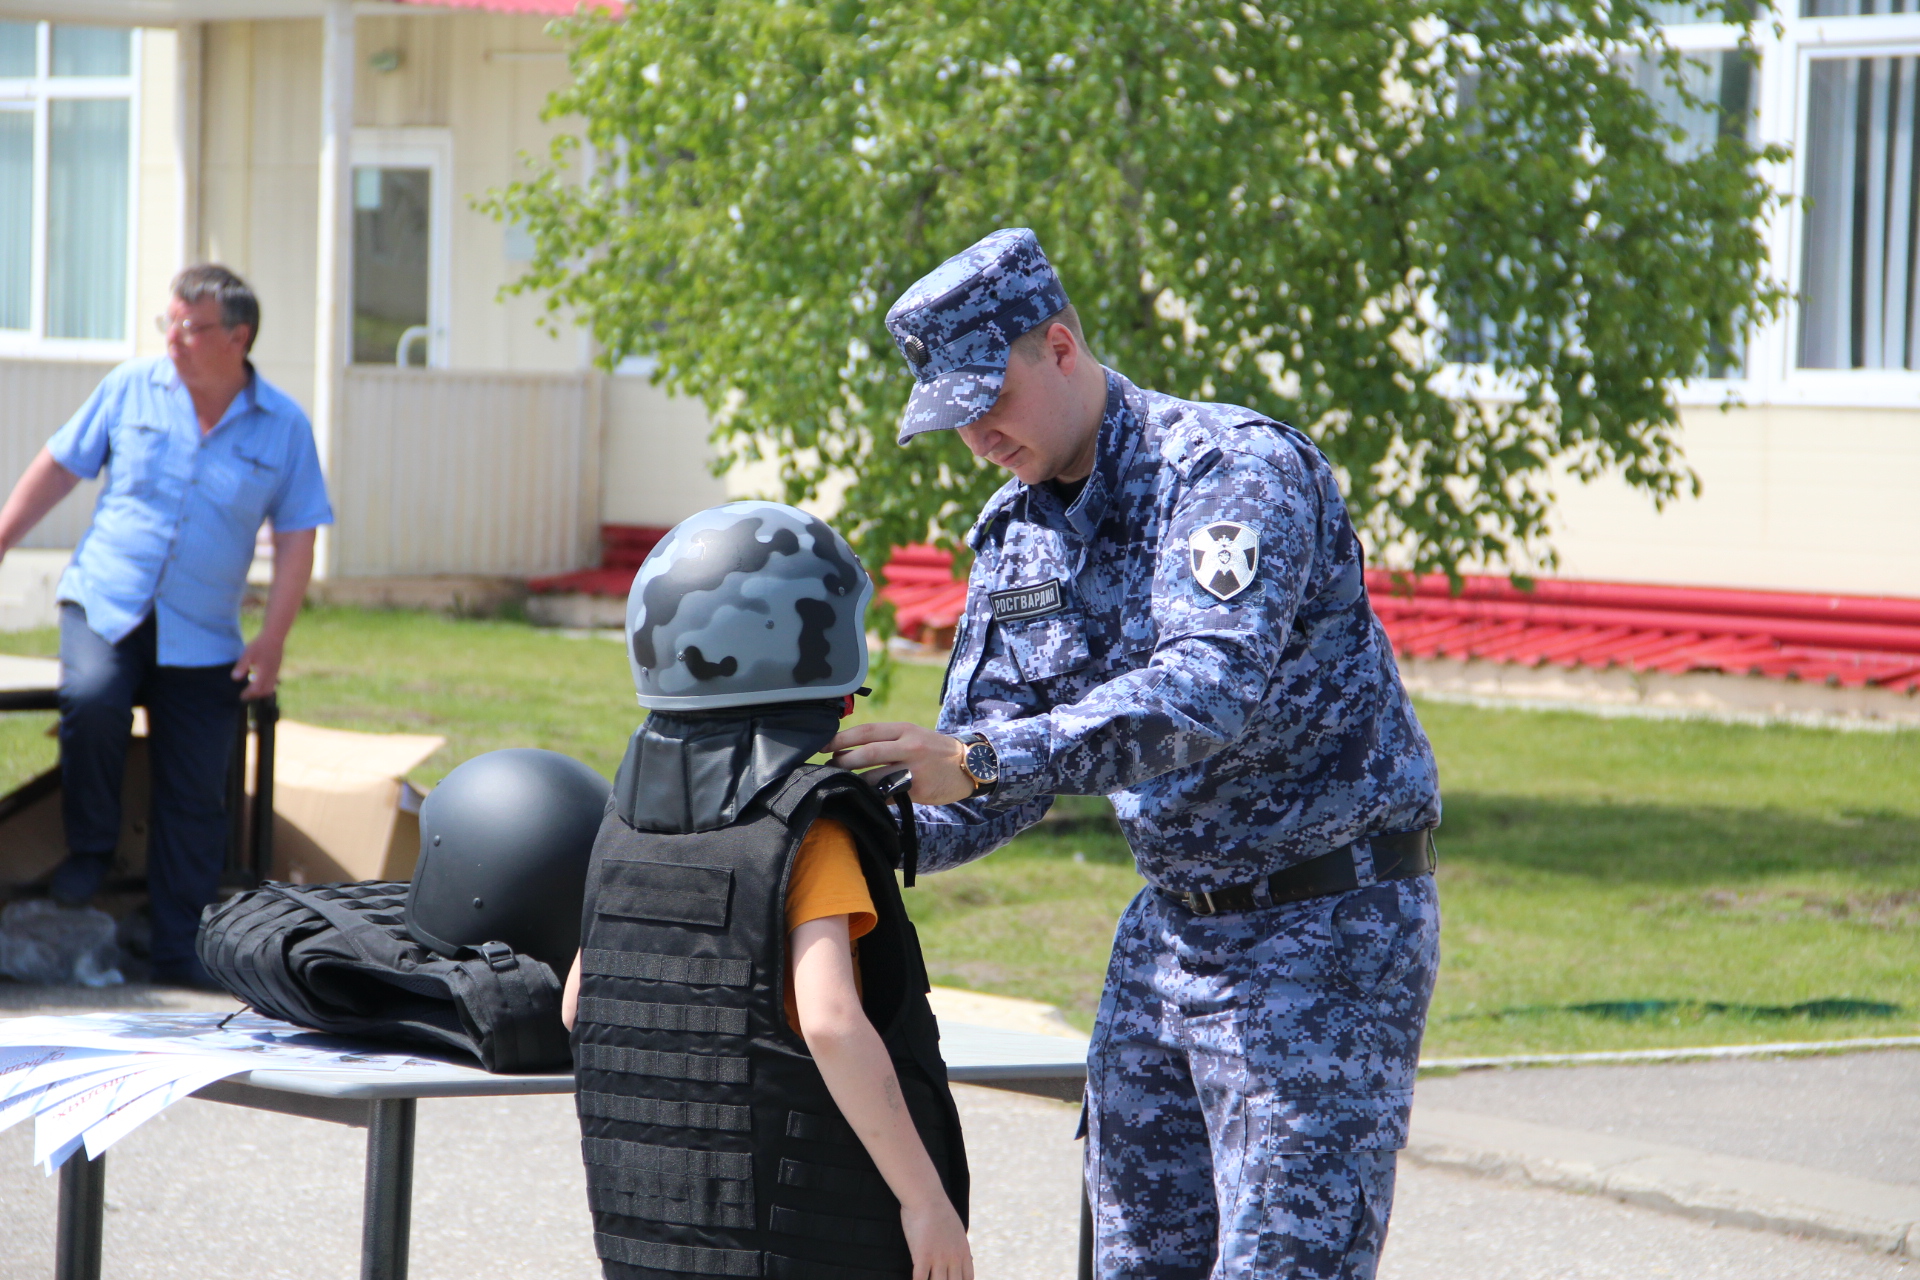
<point>827,881</point>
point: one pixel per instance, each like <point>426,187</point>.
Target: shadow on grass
<point>1687,1010</point>
<point>1666,845</point>
<point>1674,845</point>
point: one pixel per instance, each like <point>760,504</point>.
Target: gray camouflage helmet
<point>747,603</point>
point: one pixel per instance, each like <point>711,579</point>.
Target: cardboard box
<point>343,809</point>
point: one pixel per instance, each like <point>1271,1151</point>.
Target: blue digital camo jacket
<point>1191,639</point>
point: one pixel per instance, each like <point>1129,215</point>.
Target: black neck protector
<point>696,771</point>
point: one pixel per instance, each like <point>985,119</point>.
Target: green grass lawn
<point>1606,883</point>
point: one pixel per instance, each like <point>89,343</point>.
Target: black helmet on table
<point>747,604</point>
<point>504,844</point>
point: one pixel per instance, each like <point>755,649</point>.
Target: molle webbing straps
<point>706,1068</point>
<point>674,1209</point>
<point>680,1162</point>
<point>694,971</point>
<point>658,1184</point>
<point>645,1016</point>
<point>678,1259</point>
<point>666,1113</point>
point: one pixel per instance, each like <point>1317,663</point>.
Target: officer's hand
<point>260,667</point>
<point>933,757</point>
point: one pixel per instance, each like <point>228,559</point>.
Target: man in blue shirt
<point>199,450</point>
<point>1167,607</point>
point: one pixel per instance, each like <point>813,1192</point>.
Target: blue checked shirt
<point>1237,731</point>
<point>173,532</point>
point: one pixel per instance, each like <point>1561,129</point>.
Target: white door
<point>402,209</point>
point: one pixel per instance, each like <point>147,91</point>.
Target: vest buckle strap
<point>498,955</point>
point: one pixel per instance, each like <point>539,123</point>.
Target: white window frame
<point>432,150</point>
<point>36,92</point>
<point>1822,39</point>
<point>1787,45</point>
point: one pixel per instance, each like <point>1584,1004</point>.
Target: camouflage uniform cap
<point>747,603</point>
<point>956,324</point>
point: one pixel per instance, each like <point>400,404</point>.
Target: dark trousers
<point>192,717</point>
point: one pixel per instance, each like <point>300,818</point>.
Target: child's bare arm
<point>570,996</point>
<point>854,1062</point>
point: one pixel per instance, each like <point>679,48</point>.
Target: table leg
<point>266,715</point>
<point>1086,1235</point>
<point>387,1217</point>
<point>83,1201</point>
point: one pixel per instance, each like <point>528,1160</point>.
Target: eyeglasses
<point>187,328</point>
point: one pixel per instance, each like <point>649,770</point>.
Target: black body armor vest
<point>711,1143</point>
<point>337,957</point>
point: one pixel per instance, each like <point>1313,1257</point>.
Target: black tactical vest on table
<point>711,1143</point>
<point>337,957</point>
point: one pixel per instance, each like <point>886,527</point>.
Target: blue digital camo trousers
<point>1249,1084</point>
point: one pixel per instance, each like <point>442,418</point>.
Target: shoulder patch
<point>1225,555</point>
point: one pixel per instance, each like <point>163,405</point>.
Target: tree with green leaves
<point>1315,208</point>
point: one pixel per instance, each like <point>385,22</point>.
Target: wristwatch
<point>979,762</point>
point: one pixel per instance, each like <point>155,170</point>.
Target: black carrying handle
<point>896,787</point>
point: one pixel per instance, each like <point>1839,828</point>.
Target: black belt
<point>1395,857</point>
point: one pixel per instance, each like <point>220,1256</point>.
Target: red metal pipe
<point>1836,635</point>
<point>1805,606</point>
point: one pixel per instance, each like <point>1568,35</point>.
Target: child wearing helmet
<point>760,1086</point>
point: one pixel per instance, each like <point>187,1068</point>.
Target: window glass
<point>87,162</point>
<point>18,50</point>
<point>1722,86</point>
<point>1855,8</point>
<point>92,51</point>
<point>16,219</point>
<point>1858,270</point>
<point>390,258</point>
<point>1677,12</point>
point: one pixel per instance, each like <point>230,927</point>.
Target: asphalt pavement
<point>210,1191</point>
<point>1856,1114</point>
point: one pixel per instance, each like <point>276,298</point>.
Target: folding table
<point>384,1104</point>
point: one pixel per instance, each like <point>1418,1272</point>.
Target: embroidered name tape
<point>1019,603</point>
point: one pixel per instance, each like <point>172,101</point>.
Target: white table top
<point>975,1055</point>
<point>28,675</point>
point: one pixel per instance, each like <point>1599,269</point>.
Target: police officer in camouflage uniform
<point>1167,608</point>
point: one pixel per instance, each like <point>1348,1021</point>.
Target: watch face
<point>982,763</point>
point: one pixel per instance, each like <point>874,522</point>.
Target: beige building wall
<point>654,463</point>
<point>259,181</point>
<point>156,249</point>
<point>1792,499</point>
<point>504,68</point>
<point>484,79</point>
